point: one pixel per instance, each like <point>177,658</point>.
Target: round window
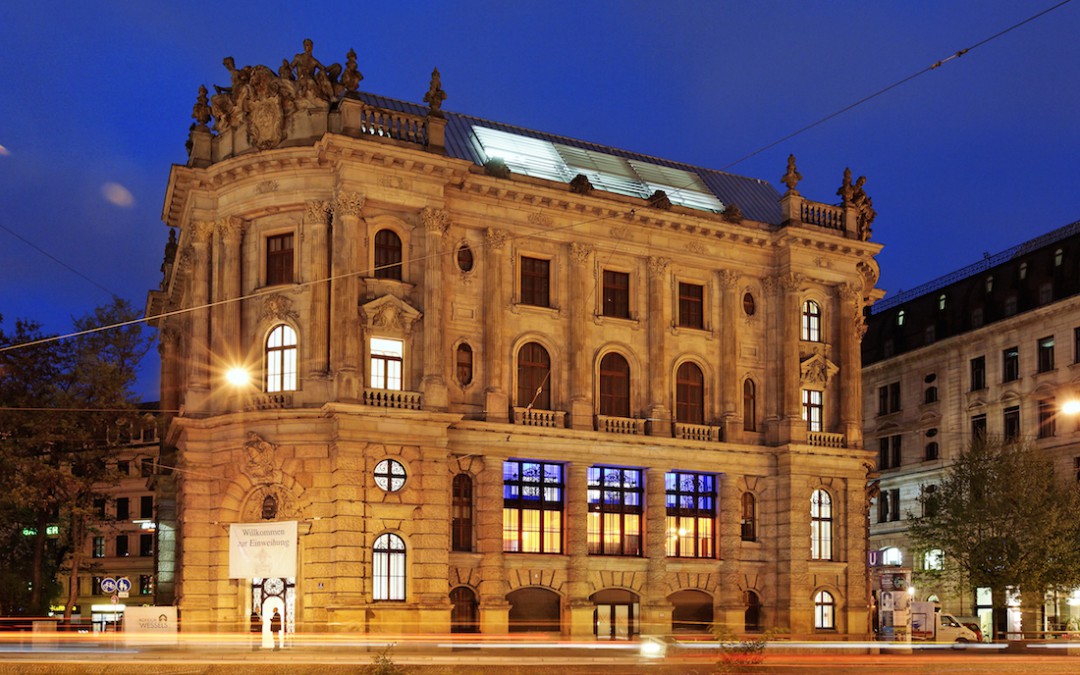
<point>748,304</point>
<point>464,258</point>
<point>390,475</point>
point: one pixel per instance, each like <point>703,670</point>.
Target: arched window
<point>821,525</point>
<point>811,321</point>
<point>824,611</point>
<point>941,301</point>
<point>462,513</point>
<point>388,562</point>
<point>900,318</point>
<point>534,377</point>
<point>689,394</point>
<point>281,359</point>
<point>387,255</point>
<point>465,613</point>
<point>749,517</point>
<point>749,405</point>
<point>752,616</point>
<point>464,364</point>
<point>892,556</point>
<point>614,386</point>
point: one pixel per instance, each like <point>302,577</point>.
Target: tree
<point>1003,521</point>
<point>60,398</point>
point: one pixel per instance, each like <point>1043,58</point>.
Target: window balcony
<point>534,417</point>
<point>270,401</point>
<point>393,398</point>
<point>824,439</point>
<point>696,432</point>
<point>620,425</point>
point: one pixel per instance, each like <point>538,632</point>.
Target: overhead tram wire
<point>931,67</point>
<point>55,259</point>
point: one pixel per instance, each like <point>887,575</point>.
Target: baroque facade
<point>992,348</point>
<point>503,380</point>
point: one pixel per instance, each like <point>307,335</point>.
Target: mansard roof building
<point>501,380</point>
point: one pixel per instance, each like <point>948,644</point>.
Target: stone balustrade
<point>696,432</point>
<point>393,398</point>
<point>269,401</point>
<point>824,439</point>
<point>822,215</point>
<point>620,425</point>
<point>391,124</point>
<point>534,417</point>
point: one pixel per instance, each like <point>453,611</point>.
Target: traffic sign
<point>115,599</point>
<point>108,585</point>
<point>123,584</point>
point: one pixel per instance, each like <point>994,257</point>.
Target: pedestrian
<point>275,630</point>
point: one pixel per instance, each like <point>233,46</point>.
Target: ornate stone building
<point>992,348</point>
<point>503,380</point>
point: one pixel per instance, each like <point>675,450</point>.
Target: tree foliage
<point>58,401</point>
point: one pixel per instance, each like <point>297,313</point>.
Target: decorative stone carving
<point>231,228</point>
<point>540,220</point>
<point>187,254</point>
<point>258,458</point>
<point>277,307</point>
<point>695,247</point>
<point>581,185</point>
<point>435,95</point>
<point>202,231</point>
<point>287,506</point>
<point>620,232</point>
<point>791,282</point>
<point>864,209</point>
<point>580,253</point>
<point>657,266</point>
<point>266,186</point>
<point>770,284</point>
<point>389,313</point>
<point>846,190</point>
<point>732,214</point>
<point>201,110</point>
<point>435,220</point>
<point>729,279</point>
<point>816,369</point>
<point>495,239</point>
<point>792,176</point>
<point>660,200</point>
<point>317,212</point>
<point>349,203</point>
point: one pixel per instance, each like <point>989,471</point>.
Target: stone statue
<point>351,78</point>
<point>312,77</point>
<point>846,191</point>
<point>864,206</point>
<point>435,95</point>
<point>792,177</point>
<point>201,111</point>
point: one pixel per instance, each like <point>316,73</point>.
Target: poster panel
<point>262,550</point>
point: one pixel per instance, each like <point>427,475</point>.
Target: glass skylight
<point>554,161</point>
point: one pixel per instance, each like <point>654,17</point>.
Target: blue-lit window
<point>532,507</point>
<point>615,511</point>
<point>691,514</point>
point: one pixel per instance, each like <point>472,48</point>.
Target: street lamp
<point>238,376</point>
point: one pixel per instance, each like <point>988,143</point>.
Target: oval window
<point>464,258</point>
<point>748,304</point>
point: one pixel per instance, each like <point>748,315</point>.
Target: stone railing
<point>393,398</point>
<point>822,215</point>
<point>696,432</point>
<point>824,439</point>
<point>620,425</point>
<point>269,401</point>
<point>392,124</point>
<point>534,417</point>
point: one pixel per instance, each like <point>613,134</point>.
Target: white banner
<point>262,550</point>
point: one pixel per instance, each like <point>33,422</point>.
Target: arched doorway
<point>535,610</point>
<point>270,593</point>
<point>616,614</point>
<point>692,611</point>
<point>752,614</point>
<point>465,614</point>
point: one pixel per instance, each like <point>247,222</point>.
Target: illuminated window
<point>386,361</point>
<point>390,475</point>
<point>691,305</point>
<point>892,556</point>
<point>691,514</point>
<point>616,294</point>
<point>387,255</point>
<point>821,525</point>
<point>535,282</point>
<point>614,386</point>
<point>941,301</point>
<point>689,395</point>
<point>388,568</point>
<point>749,517</point>
<point>281,359</point>
<point>749,405</point>
<point>614,521</point>
<point>461,507</point>
<point>279,259</point>
<point>900,318</point>
<point>811,321</point>
<point>532,507</point>
<point>813,409</point>
<point>934,559</point>
<point>824,611</point>
<point>464,364</point>
<point>99,547</point>
<point>534,373</point>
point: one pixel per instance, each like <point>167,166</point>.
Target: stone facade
<point>496,269</point>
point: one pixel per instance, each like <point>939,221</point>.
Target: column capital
<point>579,253</point>
<point>349,203</point>
<point>657,266</point>
<point>231,228</point>
<point>495,239</point>
<point>202,231</point>
<point>435,220</point>
<point>791,282</point>
<point>316,212</point>
<point>729,279</point>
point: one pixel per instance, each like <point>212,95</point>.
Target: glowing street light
<point>1071,407</point>
<point>238,376</point>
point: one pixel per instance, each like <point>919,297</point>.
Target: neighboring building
<point>503,380</point>
<point>120,544</point>
<point>992,348</point>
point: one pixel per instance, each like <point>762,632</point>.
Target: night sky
<point>970,158</point>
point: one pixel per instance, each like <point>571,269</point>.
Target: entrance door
<point>616,615</point>
<point>278,593</point>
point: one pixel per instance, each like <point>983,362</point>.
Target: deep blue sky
<point>973,157</point>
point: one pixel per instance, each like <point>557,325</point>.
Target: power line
<point>55,259</point>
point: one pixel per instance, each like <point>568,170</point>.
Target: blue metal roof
<point>757,198</point>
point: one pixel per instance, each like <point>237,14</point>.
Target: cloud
<point>4,151</point>
<point>118,195</point>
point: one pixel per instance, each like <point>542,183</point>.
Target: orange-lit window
<point>691,514</point>
<point>615,507</point>
<point>532,507</point>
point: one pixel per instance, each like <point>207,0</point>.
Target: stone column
<point>433,384</point>
<point>850,329</point>
<point>167,347</point>
<point>318,338</point>
<point>577,549</point>
<point>658,385</point>
<point>345,295</point>
<point>730,606</point>
<point>655,609</point>
<point>494,607</point>
<point>730,419</point>
<point>199,377</point>
<point>496,303</point>
<point>792,428</point>
<point>855,536</point>
<point>581,408</point>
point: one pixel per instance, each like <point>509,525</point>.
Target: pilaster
<point>492,590</point>
<point>345,295</point>
<point>496,302</point>
<point>659,382</point>
<point>730,419</point>
<point>581,408</point>
<point>433,384</point>
<point>317,228</point>
<point>655,609</point>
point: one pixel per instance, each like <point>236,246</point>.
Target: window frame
<point>1010,364</point>
<point>813,409</point>
<point>615,299</point>
<point>463,364</point>
<point>389,559</point>
<point>547,496</point>
<point>1010,423</point>
<point>690,498</point>
<point>614,382</point>
<point>691,303</point>
<point>386,366</point>
<point>281,356</point>
<point>821,525</point>
<point>1045,350</point>
<point>390,475</point>
<point>461,513</point>
<point>280,261</point>
<point>615,497</point>
<point>978,373</point>
<point>1046,414</point>
<point>387,255</point>
<point>535,281</point>
<point>824,610</point>
<point>749,405</point>
<point>748,523</point>
<point>533,373</point>
<point>689,394</point>
<point>811,321</point>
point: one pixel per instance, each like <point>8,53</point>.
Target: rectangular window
<point>146,545</point>
<point>146,584</point>
<point>616,294</point>
<point>532,507</point>
<point>1046,354</point>
<point>615,509</point>
<point>146,467</point>
<point>96,585</point>
<point>1046,412</point>
<point>386,360</point>
<point>1011,424</point>
<point>978,373</point>
<point>123,467</point>
<point>691,305</point>
<point>889,452</point>
<point>99,507</point>
<point>122,545</point>
<point>894,505</point>
<point>99,547</point>
<point>123,508</point>
<point>279,259</point>
<point>1010,364</point>
<point>535,282</point>
<point>691,514</point>
<point>812,410</point>
<point>978,427</point>
<point>146,506</point>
